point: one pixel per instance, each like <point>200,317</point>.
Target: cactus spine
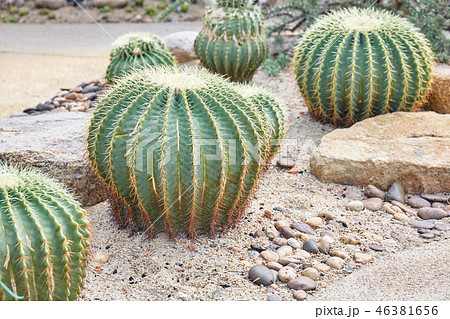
<point>232,41</point>
<point>136,50</point>
<point>179,150</point>
<point>43,238</point>
<point>357,63</point>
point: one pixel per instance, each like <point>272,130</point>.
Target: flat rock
<point>431,213</point>
<point>439,100</point>
<point>304,228</point>
<point>181,45</point>
<point>55,144</point>
<point>436,197</point>
<point>412,148</point>
<point>422,224</point>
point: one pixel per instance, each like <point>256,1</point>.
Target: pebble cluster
<point>300,253</point>
<point>78,99</point>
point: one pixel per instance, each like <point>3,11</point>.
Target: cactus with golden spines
<point>178,149</point>
<point>354,63</point>
<point>232,41</point>
<point>137,50</point>
<point>43,238</point>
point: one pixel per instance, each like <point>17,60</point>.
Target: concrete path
<point>419,274</point>
<point>37,60</point>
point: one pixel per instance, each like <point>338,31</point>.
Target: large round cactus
<point>43,238</point>
<point>357,63</point>
<point>136,50</point>
<point>179,150</point>
<point>232,41</point>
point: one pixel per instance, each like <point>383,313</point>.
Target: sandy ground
<point>37,60</point>
<point>165,269</point>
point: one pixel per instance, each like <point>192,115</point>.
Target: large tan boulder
<point>181,45</point>
<point>55,144</point>
<point>440,91</point>
<point>411,148</point>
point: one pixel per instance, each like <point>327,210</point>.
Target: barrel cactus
<point>356,63</point>
<point>43,238</point>
<point>232,41</point>
<point>136,50</point>
<point>178,149</point>
<point>270,111</point>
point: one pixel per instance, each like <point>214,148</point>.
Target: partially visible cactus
<point>232,3</point>
<point>179,150</point>
<point>232,41</point>
<point>357,63</point>
<point>137,50</point>
<point>43,238</point>
<point>270,111</point>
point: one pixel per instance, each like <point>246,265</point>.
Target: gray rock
<point>217,294</point>
<point>373,204</point>
<point>435,197</point>
<point>438,205</point>
<point>272,247</point>
<point>253,254</point>
<point>293,243</point>
<point>441,226</point>
<point>261,275</point>
<point>421,224</point>
<point>311,246</point>
<point>274,298</point>
<point>286,162</point>
<point>90,89</point>
<point>302,283</point>
<point>396,192</point>
<point>304,228</point>
<point>372,191</point>
<point>287,232</point>
<point>431,213</point>
<point>181,45</point>
<point>54,143</point>
<point>417,202</point>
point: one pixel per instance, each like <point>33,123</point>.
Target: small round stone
<point>427,235</point>
<point>401,217</point>
<point>270,256</point>
<point>100,257</point>
<point>324,247</point>
<point>322,268</point>
<point>372,191</point>
<point>271,232</point>
<point>362,258</point>
<point>314,221</point>
<point>286,274</point>
<point>300,295</point>
<point>280,241</point>
<point>293,243</point>
<point>274,265</point>
<point>311,273</point>
<point>373,204</point>
<point>336,262</point>
<point>261,275</point>
<point>302,283</point>
<point>304,228</point>
<point>286,162</point>
<point>418,202</point>
<point>311,246</point>
<point>355,205</point>
<point>347,239</point>
<point>284,251</point>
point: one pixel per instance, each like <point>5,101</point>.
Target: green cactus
<point>356,63</point>
<point>232,41</point>
<point>137,50</point>
<point>43,238</point>
<point>178,149</point>
<point>270,111</point>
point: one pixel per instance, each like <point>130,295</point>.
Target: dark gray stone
<point>90,89</point>
<point>311,246</point>
<point>304,228</point>
<point>261,275</point>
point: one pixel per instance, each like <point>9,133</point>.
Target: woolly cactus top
<point>136,43</point>
<point>14,178</point>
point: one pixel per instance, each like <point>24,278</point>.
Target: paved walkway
<point>37,60</point>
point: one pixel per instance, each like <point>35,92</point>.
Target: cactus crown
<point>43,238</point>
<point>357,63</point>
<point>179,149</point>
<point>136,50</point>
<point>232,3</point>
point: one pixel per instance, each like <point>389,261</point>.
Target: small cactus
<point>357,63</point>
<point>178,149</point>
<point>232,41</point>
<point>43,238</point>
<point>134,51</point>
